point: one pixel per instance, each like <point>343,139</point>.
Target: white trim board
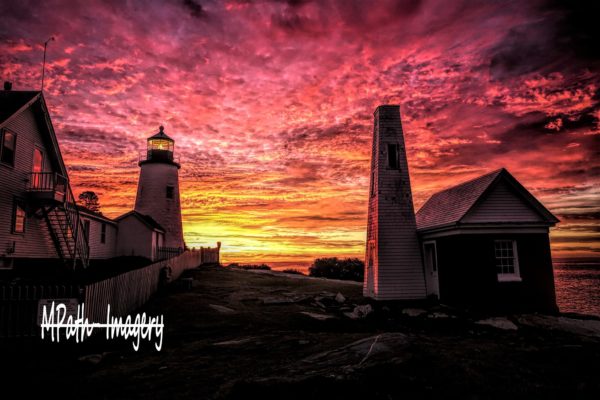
<point>483,231</point>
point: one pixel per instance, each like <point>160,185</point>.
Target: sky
<point>271,107</point>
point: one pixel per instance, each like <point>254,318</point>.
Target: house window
<point>507,262</point>
<point>170,191</point>
<point>37,168</point>
<point>5,263</point>
<point>7,150</point>
<point>86,230</point>
<point>19,219</point>
<point>103,233</point>
<point>392,156</point>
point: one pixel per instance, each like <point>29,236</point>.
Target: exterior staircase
<point>52,199</point>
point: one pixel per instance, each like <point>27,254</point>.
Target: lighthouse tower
<point>158,187</point>
<point>394,269</point>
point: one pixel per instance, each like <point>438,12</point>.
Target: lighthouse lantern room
<point>160,147</point>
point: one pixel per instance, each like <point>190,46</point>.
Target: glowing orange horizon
<point>270,106</point>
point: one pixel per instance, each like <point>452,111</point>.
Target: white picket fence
<point>131,290</point>
<point>125,293</point>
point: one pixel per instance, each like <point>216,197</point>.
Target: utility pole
<point>44,64</point>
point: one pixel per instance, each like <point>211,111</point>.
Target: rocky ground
<point>258,334</point>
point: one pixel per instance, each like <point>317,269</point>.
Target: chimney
<point>7,85</point>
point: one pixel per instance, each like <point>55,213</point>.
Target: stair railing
<point>75,222</point>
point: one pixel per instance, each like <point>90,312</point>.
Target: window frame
<point>103,233</point>
<point>514,276</point>
<point>6,263</point>
<point>17,205</point>
<point>373,184</point>
<point>43,154</point>
<point>395,156</point>
<point>3,133</point>
<point>87,229</point>
<point>36,176</point>
<point>434,259</point>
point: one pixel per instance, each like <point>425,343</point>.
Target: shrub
<point>249,266</point>
<point>293,271</point>
<point>351,269</point>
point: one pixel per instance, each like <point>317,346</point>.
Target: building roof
<point>161,134</point>
<point>12,101</point>
<point>448,207</point>
<point>146,219</point>
<point>93,214</point>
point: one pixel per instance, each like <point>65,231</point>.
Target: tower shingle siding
<point>394,269</point>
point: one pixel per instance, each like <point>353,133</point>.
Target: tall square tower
<point>393,264</point>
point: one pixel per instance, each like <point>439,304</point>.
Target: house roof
<point>448,207</point>
<point>93,214</point>
<point>12,101</point>
<point>161,134</point>
<point>146,219</point>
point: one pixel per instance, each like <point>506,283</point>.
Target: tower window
<point>372,184</point>
<point>170,191</point>
<point>392,156</point>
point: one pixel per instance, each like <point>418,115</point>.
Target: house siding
<point>35,242</point>
<point>502,204</point>
<point>134,238</point>
<point>467,273</point>
<point>99,250</point>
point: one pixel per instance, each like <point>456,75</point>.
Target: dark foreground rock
<point>248,334</point>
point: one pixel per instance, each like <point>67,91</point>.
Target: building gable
<point>500,205</point>
<point>147,221</point>
<point>12,102</point>
<point>19,116</point>
<point>495,197</point>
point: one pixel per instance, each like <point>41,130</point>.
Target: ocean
<point>578,286</point>
<point>577,283</point>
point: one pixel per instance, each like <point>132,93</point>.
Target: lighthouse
<point>394,270</point>
<point>158,187</point>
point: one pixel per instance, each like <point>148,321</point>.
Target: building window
<point>5,263</point>
<point>19,219</point>
<point>7,150</point>
<point>170,191</point>
<point>86,230</point>
<point>392,156</point>
<point>372,184</point>
<point>507,262</point>
<point>103,233</point>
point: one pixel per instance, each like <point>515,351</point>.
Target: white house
<point>40,222</point>
<point>101,234</point>
<point>139,235</point>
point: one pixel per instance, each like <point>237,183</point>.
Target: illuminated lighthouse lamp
<point>160,147</point>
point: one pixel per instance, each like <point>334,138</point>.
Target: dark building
<point>485,243</point>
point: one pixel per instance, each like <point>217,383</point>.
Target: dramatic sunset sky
<point>271,102</point>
